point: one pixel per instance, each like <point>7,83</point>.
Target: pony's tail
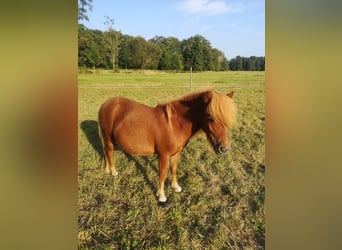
<point>102,143</point>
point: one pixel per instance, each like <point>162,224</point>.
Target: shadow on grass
<point>142,169</point>
<point>91,131</point>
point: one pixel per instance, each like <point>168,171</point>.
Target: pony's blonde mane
<point>222,109</point>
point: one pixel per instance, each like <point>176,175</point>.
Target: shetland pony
<point>165,129</point>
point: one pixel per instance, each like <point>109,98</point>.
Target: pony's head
<point>218,118</point>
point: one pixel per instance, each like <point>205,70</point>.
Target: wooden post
<point>190,78</point>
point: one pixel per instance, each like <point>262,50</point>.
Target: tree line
<point>111,49</point>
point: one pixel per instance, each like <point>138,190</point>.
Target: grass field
<point>222,202</point>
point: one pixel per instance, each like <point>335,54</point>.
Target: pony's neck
<point>186,114</point>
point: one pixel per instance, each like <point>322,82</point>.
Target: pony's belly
<point>136,147</point>
<point>138,151</point>
<point>142,133</point>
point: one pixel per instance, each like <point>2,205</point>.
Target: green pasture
<point>222,202</point>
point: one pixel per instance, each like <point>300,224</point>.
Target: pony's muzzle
<point>220,148</point>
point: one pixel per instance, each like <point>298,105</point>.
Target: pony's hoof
<point>162,199</point>
<point>115,173</point>
<point>178,189</point>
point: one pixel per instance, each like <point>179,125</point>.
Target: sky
<point>235,27</point>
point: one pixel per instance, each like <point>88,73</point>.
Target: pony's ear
<point>207,97</point>
<point>230,94</point>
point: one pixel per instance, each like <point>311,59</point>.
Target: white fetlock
<point>162,198</point>
<point>115,173</point>
<point>178,189</point>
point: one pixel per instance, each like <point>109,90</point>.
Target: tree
<point>251,63</point>
<point>171,55</point>
<point>176,62</point>
<point>83,5</point>
<point>198,54</point>
<point>82,45</point>
<point>91,48</point>
<point>111,49</point>
<point>224,64</point>
<point>193,53</point>
<point>113,40</point>
<point>93,55</point>
<point>209,56</point>
<point>150,56</point>
<point>232,64</point>
<point>123,52</point>
<point>141,54</point>
<point>134,52</point>
<point>100,44</point>
<point>219,61</point>
<point>239,63</point>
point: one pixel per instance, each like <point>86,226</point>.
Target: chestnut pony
<point>165,129</point>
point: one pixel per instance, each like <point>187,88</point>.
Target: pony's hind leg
<point>108,158</point>
<point>108,150</point>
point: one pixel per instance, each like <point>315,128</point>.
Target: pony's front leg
<point>163,164</point>
<point>174,162</point>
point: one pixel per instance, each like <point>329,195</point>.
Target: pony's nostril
<point>222,148</point>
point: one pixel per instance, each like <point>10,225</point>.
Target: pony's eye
<point>210,119</point>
